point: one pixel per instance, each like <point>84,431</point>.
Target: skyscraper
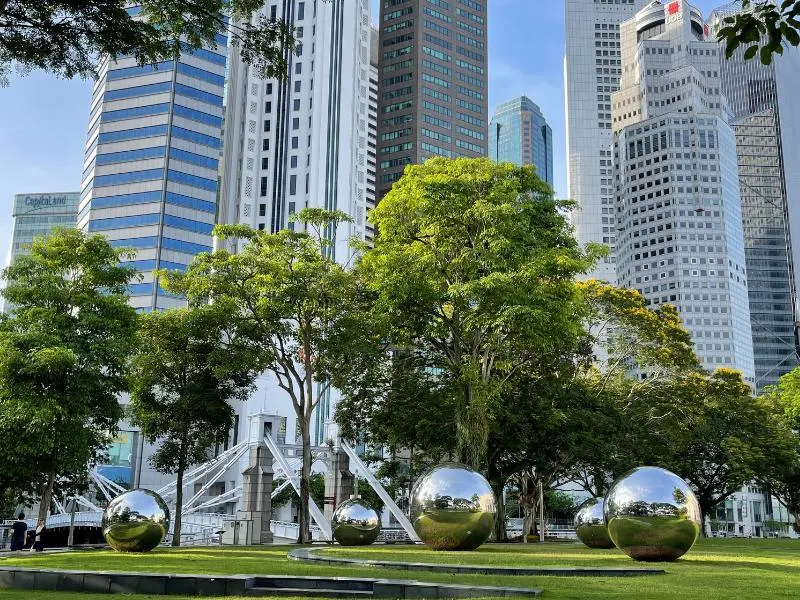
<point>766,124</point>
<point>37,215</point>
<point>519,133</point>
<point>302,142</point>
<point>150,170</point>
<point>433,83</point>
<point>677,199</point>
<point>591,75</point>
<point>372,129</point>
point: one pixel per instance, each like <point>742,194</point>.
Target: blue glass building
<point>150,170</point>
<point>519,133</point>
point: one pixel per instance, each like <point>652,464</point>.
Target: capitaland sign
<point>24,203</point>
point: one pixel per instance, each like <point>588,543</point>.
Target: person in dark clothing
<point>19,533</point>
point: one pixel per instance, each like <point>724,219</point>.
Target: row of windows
<point>442,110</point>
<point>138,71</point>
<point>429,64</point>
<point>405,64</point>
<point>396,148</point>
<point>132,134</point>
<point>435,13</point>
<point>166,243</point>
<point>393,135</point>
<point>398,106</point>
<point>190,92</point>
<point>436,94</point>
<point>136,111</point>
<point>470,54</point>
<point>130,177</point>
<point>470,80</point>
<point>444,124</point>
<point>196,115</point>
<point>126,199</point>
<point>129,155</point>
<point>395,162</point>
<point>397,52</point>
<point>435,53</point>
<point>150,265</point>
<point>436,150</point>
<point>193,136</point>
<point>435,80</point>
<point>195,159</point>
<point>467,146</point>
<point>189,202</point>
<point>469,41</point>
<point>188,224</point>
<point>201,74</point>
<point>440,29</point>
<point>469,105</point>
<point>192,180</point>
<point>218,59</point>
<point>123,222</point>
<point>469,92</point>
<point>437,135</point>
<point>139,90</point>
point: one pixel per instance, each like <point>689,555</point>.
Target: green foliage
<point>291,305</point>
<point>65,37</point>
<point>64,353</point>
<point>185,376</point>
<point>764,27</point>
<point>473,265</point>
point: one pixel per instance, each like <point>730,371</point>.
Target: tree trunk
<point>500,532</point>
<point>176,530</point>
<point>47,495</point>
<point>304,536</point>
<point>704,511</point>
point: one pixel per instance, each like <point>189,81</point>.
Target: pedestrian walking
<point>19,533</point>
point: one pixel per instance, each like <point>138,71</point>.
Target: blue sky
<point>44,127</point>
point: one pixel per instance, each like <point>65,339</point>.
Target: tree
<point>184,378</point>
<point>292,305</point>
<point>719,438</point>
<point>64,354</point>
<point>764,26</point>
<point>473,265</point>
<point>783,477</point>
<point>66,37</point>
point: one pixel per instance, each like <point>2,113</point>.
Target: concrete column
<point>257,494</point>
<point>339,482</point>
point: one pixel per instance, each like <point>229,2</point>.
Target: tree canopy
<point>68,37</point>
<point>473,265</point>
<point>764,27</point>
<point>185,378</point>
<point>64,352</point>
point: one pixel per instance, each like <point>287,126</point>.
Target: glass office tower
<point>519,133</point>
<point>150,170</point>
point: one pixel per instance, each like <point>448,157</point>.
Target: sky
<point>44,128</point>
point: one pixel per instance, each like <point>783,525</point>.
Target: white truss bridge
<point>201,525</point>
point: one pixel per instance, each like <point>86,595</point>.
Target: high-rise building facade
<point>679,220</point>
<point>150,170</point>
<point>433,81</point>
<point>303,142</point>
<point>591,75</point>
<point>372,129</point>
<point>36,215</point>
<point>519,133</point>
<point>766,123</point>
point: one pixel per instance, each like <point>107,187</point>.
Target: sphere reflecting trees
<point>355,523</point>
<point>452,508</point>
<point>136,521</point>
<point>590,524</point>
<point>652,515</point>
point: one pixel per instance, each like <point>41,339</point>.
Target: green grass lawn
<point>714,569</point>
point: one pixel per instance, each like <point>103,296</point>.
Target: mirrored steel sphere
<point>652,514</point>
<point>590,525</point>
<point>452,508</point>
<point>355,523</point>
<point>136,521</point>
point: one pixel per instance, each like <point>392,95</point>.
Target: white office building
<point>591,75</point>
<point>677,194</point>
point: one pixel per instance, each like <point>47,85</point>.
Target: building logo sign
<point>673,12</point>
<point>54,203</point>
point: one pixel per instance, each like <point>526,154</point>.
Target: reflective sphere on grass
<point>452,508</point>
<point>355,523</point>
<point>652,515</point>
<point>136,521</point>
<point>590,524</point>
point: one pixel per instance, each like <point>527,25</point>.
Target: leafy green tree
<point>184,378</point>
<point>66,37</point>
<point>291,304</point>
<point>718,437</point>
<point>764,26</point>
<point>783,478</point>
<point>64,355</point>
<point>473,265</point>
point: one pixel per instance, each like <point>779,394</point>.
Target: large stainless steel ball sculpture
<point>355,523</point>
<point>590,524</point>
<point>652,515</point>
<point>135,521</point>
<point>452,508</point>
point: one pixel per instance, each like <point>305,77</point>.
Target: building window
<point>301,11</point>
<point>292,185</point>
<point>263,188</point>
